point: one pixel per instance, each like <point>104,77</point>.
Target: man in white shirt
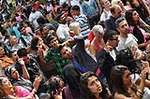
<point>126,39</point>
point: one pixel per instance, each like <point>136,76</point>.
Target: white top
<point>128,42</point>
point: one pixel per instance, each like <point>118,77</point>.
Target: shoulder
<point>120,96</point>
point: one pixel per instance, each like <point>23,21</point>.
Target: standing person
<point>92,87</point>
<point>91,10</point>
<point>116,12</point>
<point>107,56</point>
<point>82,19</point>
<point>126,39</point>
<point>97,43</point>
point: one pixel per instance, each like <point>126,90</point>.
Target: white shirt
<point>128,42</point>
<point>62,32</point>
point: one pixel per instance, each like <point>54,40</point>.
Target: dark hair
<point>22,52</point>
<point>49,38</point>
<point>8,71</point>
<point>129,18</point>
<point>34,43</point>
<point>76,7</point>
<point>54,85</point>
<point>109,35</point>
<point>117,79</point>
<point>118,21</point>
<point>72,77</point>
<point>84,87</point>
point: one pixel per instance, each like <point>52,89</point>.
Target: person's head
<point>72,77</point>
<point>12,73</point>
<point>45,30</point>
<point>111,38</point>
<point>98,31</point>
<point>116,11</point>
<point>132,17</point>
<point>75,11</point>
<point>120,78</point>
<point>66,52</point>
<point>52,41</point>
<point>13,40</point>
<point>22,53</point>
<point>6,88</point>
<point>106,4</point>
<point>56,84</point>
<point>36,42</point>
<point>118,2</point>
<point>91,85</point>
<point>122,26</point>
<point>74,29</point>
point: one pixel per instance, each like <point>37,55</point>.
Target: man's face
<point>118,12</point>
<point>66,52</point>
<point>114,41</point>
<point>74,13</point>
<point>106,3</point>
<point>123,27</point>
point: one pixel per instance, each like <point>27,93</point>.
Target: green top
<point>54,54</point>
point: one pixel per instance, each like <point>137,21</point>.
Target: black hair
<point>22,52</point>
<point>109,35</point>
<point>76,7</point>
<point>118,21</point>
<point>84,87</point>
<point>34,43</point>
<point>117,79</point>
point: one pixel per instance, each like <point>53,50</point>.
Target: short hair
<point>22,52</point>
<point>98,29</point>
<point>113,8</point>
<point>76,7</point>
<point>75,27</point>
<point>109,35</point>
<point>118,21</point>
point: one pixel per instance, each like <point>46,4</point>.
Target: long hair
<point>86,93</point>
<point>117,79</point>
<point>129,18</point>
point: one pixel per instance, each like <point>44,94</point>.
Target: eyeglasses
<point>114,39</point>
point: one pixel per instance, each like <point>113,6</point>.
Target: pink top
<point>22,92</point>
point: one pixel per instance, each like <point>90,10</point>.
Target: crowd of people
<point>74,49</point>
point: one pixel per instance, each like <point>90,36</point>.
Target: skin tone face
<point>13,40</point>
<point>106,4</point>
<point>7,86</point>
<point>118,11</point>
<point>14,73</point>
<point>94,85</point>
<point>123,27</point>
<point>114,41</point>
<point>135,16</point>
<point>66,52</point>
<point>54,43</point>
<point>127,79</point>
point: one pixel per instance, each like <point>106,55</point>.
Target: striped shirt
<point>84,24</point>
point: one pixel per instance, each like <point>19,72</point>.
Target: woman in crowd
<point>134,20</point>
<point>16,79</point>
<point>123,86</point>
<point>92,87</point>
<point>8,91</point>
